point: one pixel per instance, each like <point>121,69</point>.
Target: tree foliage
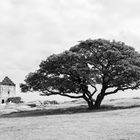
<point>113,65</point>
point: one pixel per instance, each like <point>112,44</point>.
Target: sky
<point>31,30</point>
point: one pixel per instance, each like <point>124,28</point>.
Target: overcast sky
<point>31,30</point>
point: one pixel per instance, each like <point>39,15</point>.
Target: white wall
<point>7,91</point>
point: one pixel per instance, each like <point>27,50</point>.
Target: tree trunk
<point>98,101</point>
<point>90,104</point>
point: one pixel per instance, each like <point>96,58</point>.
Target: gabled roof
<point>7,81</point>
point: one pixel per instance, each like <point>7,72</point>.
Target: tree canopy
<point>113,65</point>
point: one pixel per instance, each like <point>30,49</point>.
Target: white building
<point>7,89</point>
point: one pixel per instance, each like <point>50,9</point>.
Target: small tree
<point>113,65</point>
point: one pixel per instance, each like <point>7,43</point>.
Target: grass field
<point>120,124</point>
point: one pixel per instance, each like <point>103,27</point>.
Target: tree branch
<point>124,88</point>
<point>112,92</point>
<point>48,93</point>
<point>95,90</point>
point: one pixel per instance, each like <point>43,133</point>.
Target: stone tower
<point>7,89</point>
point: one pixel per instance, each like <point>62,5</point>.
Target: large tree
<point>66,74</point>
<point>113,65</point>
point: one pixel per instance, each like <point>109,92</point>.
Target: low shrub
<point>14,100</point>
<point>32,105</point>
<point>50,102</point>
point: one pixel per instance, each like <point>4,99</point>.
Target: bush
<point>32,105</point>
<point>50,102</point>
<point>14,100</point>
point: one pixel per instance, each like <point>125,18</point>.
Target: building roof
<point>7,81</point>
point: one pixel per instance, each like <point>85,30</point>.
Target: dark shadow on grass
<point>69,110</point>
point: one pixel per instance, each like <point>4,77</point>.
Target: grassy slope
<point>77,106</point>
<point>108,125</point>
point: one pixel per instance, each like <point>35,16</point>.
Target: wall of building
<point>6,92</point>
